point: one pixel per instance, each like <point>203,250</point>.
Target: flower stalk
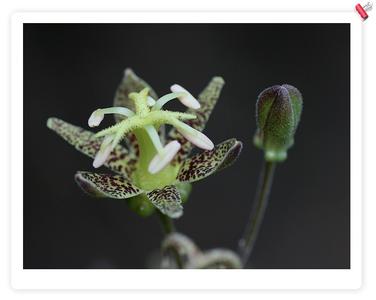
<point>168,228</point>
<point>247,242</point>
<point>278,112</point>
<point>166,223</point>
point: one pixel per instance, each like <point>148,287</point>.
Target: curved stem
<point>247,242</point>
<point>168,227</point>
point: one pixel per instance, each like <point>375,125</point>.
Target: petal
<point>167,200</point>
<point>129,84</point>
<point>264,102</point>
<point>119,161</point>
<point>105,185</point>
<point>208,98</point>
<point>208,162</point>
<point>163,158</point>
<point>296,102</point>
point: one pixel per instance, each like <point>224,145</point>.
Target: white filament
<point>104,152</point>
<point>164,157</point>
<point>97,116</point>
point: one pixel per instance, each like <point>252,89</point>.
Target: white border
<point>182,279</point>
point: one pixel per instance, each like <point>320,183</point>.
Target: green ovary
<point>142,177</point>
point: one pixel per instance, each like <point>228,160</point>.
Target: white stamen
<point>194,136</point>
<point>187,99</point>
<point>126,112</point>
<point>104,152</point>
<point>95,118</point>
<point>166,98</point>
<point>150,101</point>
<point>164,157</point>
<point>98,115</point>
<point>154,136</point>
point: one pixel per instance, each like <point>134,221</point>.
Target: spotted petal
<point>167,200</point>
<point>129,84</point>
<point>105,185</point>
<point>119,161</point>
<point>208,162</point>
<point>208,98</point>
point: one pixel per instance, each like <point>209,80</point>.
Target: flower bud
<point>278,112</point>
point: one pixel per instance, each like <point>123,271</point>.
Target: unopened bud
<point>278,112</point>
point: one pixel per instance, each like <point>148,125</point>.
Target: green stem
<point>249,238</point>
<point>168,227</point>
<point>167,224</point>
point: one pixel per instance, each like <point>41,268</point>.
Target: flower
<point>278,112</point>
<point>153,171</point>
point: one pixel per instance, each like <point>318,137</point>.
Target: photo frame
<point>183,279</point>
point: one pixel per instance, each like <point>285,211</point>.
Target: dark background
<point>71,69</point>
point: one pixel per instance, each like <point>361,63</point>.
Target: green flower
<point>152,171</point>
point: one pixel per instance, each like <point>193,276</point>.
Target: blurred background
<point>72,69</point>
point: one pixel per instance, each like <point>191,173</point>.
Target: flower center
<point>142,177</point>
<point>153,169</point>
